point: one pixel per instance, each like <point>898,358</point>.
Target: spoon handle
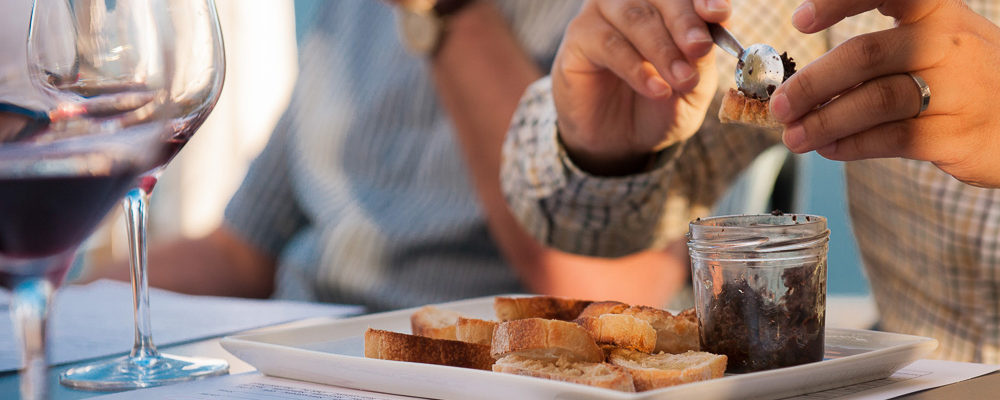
<point>725,39</point>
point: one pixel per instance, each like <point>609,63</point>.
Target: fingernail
<point>657,86</point>
<point>794,137</point>
<point>698,35</point>
<point>681,70</point>
<point>780,107</point>
<point>718,6</point>
<point>804,16</point>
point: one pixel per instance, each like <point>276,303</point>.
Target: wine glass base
<point>139,372</point>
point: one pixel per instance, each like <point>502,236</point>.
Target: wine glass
<point>110,38</point>
<point>58,182</point>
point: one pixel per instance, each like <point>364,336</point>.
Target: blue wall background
<point>820,189</point>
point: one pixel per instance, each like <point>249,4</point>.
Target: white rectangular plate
<point>333,353</point>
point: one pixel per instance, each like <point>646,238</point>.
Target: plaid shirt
<point>930,244</point>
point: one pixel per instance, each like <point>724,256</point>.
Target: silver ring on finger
<point>925,92</point>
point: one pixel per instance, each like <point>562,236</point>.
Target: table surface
<point>983,387</point>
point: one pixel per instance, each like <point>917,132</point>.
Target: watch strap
<point>445,8</point>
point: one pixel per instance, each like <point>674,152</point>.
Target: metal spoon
<point>759,70</point>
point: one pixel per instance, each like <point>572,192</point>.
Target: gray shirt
<point>362,194</point>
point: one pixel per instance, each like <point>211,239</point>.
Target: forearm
<point>649,278</point>
<point>480,73</point>
<point>218,264</point>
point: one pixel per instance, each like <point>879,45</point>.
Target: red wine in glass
<point>55,188</point>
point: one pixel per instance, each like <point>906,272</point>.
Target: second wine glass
<point>185,92</point>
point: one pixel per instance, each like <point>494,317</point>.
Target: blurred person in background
<point>380,184</point>
<point>614,153</point>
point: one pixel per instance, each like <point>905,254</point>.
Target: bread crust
<point>674,333</point>
<point>621,330</point>
<point>740,109</point>
<point>548,307</point>
<point>434,322</point>
<point>546,339</point>
<point>387,345</point>
<point>474,330</point>
<point>663,369</point>
<point>594,374</point>
<point>598,308</point>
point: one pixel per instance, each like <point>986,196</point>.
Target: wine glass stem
<point>29,306</point>
<point>135,204</point>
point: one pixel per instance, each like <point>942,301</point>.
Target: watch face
<point>419,31</point>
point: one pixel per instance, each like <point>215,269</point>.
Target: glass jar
<point>760,288</point>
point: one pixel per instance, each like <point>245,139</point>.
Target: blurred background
<point>192,194</point>
<point>261,54</point>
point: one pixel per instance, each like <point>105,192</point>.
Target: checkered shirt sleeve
<point>569,209</point>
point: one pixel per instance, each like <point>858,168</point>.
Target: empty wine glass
<point>134,61</point>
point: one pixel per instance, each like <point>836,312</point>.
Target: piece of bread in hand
<point>739,109</point>
<point>548,307</point>
<point>594,374</point>
<point>474,330</point>
<point>545,339</point>
<point>674,333</point>
<point>663,369</point>
<point>387,345</point>
<point>621,330</point>
<point>434,322</point>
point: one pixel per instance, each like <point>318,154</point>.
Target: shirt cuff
<point>566,207</point>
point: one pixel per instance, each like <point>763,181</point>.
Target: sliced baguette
<point>433,322</point>
<point>545,339</point>
<point>674,333</point>
<point>474,330</point>
<point>663,369</point>
<point>603,307</point>
<point>548,307</point>
<point>387,345</point>
<point>594,374</point>
<point>740,109</point>
<point>689,315</point>
<point>621,330</point>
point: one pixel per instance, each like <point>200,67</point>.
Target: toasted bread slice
<point>545,339</point>
<point>548,307</point>
<point>598,308</point>
<point>674,333</point>
<point>474,330</point>
<point>434,323</point>
<point>740,109</point>
<point>621,330</point>
<point>663,369</point>
<point>396,346</point>
<point>689,315</point>
<point>594,374</point>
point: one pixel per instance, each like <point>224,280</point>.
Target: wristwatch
<point>423,23</point>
